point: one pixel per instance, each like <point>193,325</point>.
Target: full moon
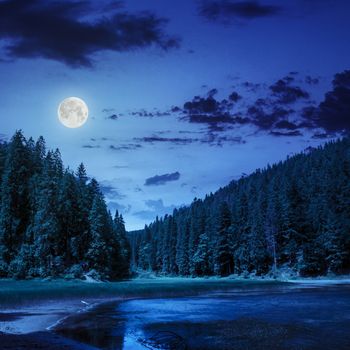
<point>73,112</point>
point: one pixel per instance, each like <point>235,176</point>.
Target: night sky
<point>184,96</point>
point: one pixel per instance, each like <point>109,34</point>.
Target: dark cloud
<point>267,114</point>
<point>110,191</point>
<point>266,120</point>
<point>175,109</point>
<point>91,146</point>
<point>215,114</point>
<point>251,87</point>
<point>235,97</point>
<point>230,11</point>
<point>174,140</point>
<point>126,147</point>
<point>289,78</point>
<point>288,133</point>
<point>287,93</point>
<point>333,113</point>
<point>113,117</point>
<point>212,92</point>
<point>162,179</point>
<point>144,113</point>
<point>260,118</point>
<point>202,105</point>
<point>210,119</point>
<point>342,80</point>
<point>285,124</point>
<point>59,31</point>
<point>309,113</point>
<point>311,81</point>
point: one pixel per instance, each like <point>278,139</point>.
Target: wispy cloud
<point>125,147</point>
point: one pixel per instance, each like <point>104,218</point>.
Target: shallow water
<point>280,316</point>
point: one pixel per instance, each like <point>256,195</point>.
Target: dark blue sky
<point>184,96</point>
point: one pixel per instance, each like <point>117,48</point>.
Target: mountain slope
<point>294,214</point>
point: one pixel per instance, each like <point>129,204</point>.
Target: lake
<point>243,316</point>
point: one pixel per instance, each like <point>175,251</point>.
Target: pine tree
<point>14,211</point>
<point>201,256</point>
<point>223,256</point>
<point>52,221</point>
<point>294,214</point>
<point>97,253</point>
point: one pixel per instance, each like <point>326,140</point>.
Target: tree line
<point>53,221</point>
<point>292,216</point>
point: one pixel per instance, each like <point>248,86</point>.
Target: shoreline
<point>44,316</point>
<point>47,314</point>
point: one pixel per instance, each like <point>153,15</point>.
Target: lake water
<point>266,316</point>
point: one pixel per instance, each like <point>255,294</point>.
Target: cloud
<point>120,166</point>
<point>112,117</point>
<point>252,87</point>
<point>266,120</point>
<point>91,146</point>
<point>218,140</point>
<point>265,113</point>
<point>233,11</point>
<point>144,113</point>
<point>125,147</point>
<point>110,191</point>
<point>212,92</point>
<point>60,31</point>
<point>108,110</point>
<point>320,136</point>
<point>162,179</point>
<point>174,140</point>
<point>285,124</point>
<point>156,207</point>
<point>234,97</point>
<point>210,119</point>
<point>123,209</point>
<point>287,133</point>
<point>333,113</point>
<point>215,114</point>
<point>311,81</point>
<point>286,93</point>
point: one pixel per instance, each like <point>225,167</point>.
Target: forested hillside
<point>293,215</point>
<point>54,222</point>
